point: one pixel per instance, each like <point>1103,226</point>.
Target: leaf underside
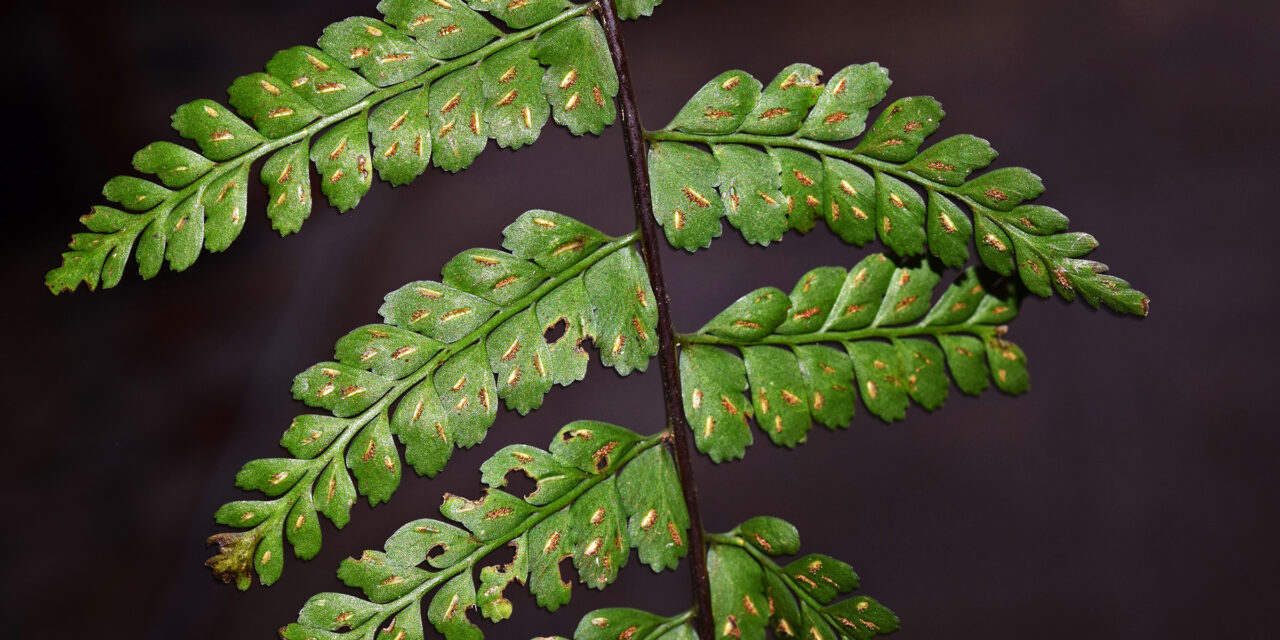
<point>872,332</point>
<point>762,156</point>
<point>502,326</point>
<point>577,512</point>
<point>430,83</point>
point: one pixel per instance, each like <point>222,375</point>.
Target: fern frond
<point>894,346</point>
<point>427,376</point>
<point>613,623</point>
<point>750,592</point>
<point>770,169</point>
<point>578,510</point>
<point>430,83</point>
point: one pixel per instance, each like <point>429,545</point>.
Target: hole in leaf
<point>556,331</point>
<point>519,482</point>
<point>438,549</point>
<point>602,463</point>
<point>502,556</point>
<point>568,573</point>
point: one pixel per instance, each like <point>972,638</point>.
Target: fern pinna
<point>432,82</point>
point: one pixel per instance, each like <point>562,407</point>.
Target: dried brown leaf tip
<point>235,556</point>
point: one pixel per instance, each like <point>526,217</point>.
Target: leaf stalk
<point>633,138</point>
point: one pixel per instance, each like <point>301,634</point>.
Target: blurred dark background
<point>1132,494</point>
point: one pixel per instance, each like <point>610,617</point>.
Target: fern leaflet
<point>881,317</point>
<point>431,83</point>
<point>578,510</point>
<point>427,376</point>
<point>771,169</point>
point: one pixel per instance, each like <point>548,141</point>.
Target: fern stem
<point>633,138</point>
<point>843,336</point>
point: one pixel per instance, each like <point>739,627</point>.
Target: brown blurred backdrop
<point>1132,494</point>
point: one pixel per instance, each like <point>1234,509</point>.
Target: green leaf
<point>774,536</point>
<point>378,51</point>
<point>445,30</point>
<point>599,524</point>
<point>519,356</point>
<point>218,132</point>
<point>448,611</point>
<point>900,216</point>
<point>552,240</point>
<point>685,202</point>
<point>951,161</point>
<point>553,478</point>
<point>752,316</point>
<point>720,106</point>
<point>550,541</point>
<point>343,162</point>
<point>580,81</point>
<point>494,580</point>
<point>828,378</point>
<point>802,177</point>
<point>319,78</point>
<point>658,522</point>
<point>387,351</point>
<point>374,461</point>
<point>334,495</point>
<point>493,516</point>
<point>861,618</point>
<point>778,394</point>
<point>897,135</point>
<point>468,395</point>
<point>632,9</point>
<point>515,110</point>
<point>496,276</point>
<point>437,543</point>
<point>822,577</point>
<point>288,181</point>
<point>841,110</point>
<point>519,15</point>
<point>783,104</point>
<point>339,388</point>
<point>268,102</point>
<point>812,300</point>
<point>225,202</point>
<point>625,327</point>
<point>436,310</point>
<point>713,383</point>
<point>850,201</point>
<point>738,603</point>
<point>949,231</point>
<point>401,132</point>
<point>456,106</point>
<point>175,166</point>
<point>593,447</point>
<point>750,182</point>
<point>614,623</point>
<point>381,578</point>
